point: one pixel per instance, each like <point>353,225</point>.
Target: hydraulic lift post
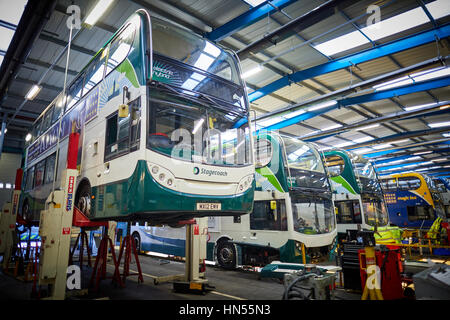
<point>55,227</point>
<point>8,222</point>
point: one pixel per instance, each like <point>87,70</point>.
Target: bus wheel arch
<point>83,197</point>
<point>226,253</point>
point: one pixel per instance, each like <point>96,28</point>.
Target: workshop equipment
<point>310,283</point>
<point>433,283</point>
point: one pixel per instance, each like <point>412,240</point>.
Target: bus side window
<point>47,119</point>
<point>39,173</point>
<point>50,169</point>
<point>123,133</point>
<point>30,178</point>
<point>111,136</point>
<point>37,129</point>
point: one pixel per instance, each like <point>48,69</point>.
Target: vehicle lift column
<point>194,280</point>
<point>55,228</point>
<point>8,222</point>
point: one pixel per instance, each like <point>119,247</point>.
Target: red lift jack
<point>130,248</point>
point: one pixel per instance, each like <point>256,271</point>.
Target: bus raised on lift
<point>164,133</point>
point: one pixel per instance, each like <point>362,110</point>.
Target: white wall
<point>9,163</point>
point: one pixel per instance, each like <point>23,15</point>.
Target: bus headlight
<point>245,184</point>
<point>162,175</point>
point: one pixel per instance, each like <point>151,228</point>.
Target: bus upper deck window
<point>75,92</point>
<point>95,72</point>
<point>59,105</point>
<point>120,47</point>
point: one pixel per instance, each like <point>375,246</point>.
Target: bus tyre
<point>137,241</point>
<point>226,255</point>
<point>83,199</point>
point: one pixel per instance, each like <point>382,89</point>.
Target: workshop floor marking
<point>215,292</point>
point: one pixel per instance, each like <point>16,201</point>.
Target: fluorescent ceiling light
<point>362,150</point>
<point>418,107</point>
<point>424,152</point>
<point>447,135</point>
<point>325,148</point>
<point>430,74</point>
<point>415,77</point>
<point>400,141</point>
<point>382,146</point>
<point>332,127</point>
<point>439,124</point>
<point>97,12</point>
<point>294,113</point>
<point>344,144</point>
<point>6,130</point>
<point>364,139</point>
<point>252,72</point>
<point>441,159</point>
<point>28,137</point>
<point>268,122</point>
<point>33,92</point>
<point>254,3</point>
<point>368,127</point>
<point>439,8</point>
<point>322,105</point>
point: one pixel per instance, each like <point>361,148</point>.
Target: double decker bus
<point>412,200</point>
<point>292,220</point>
<point>357,193</point>
<point>164,133</point>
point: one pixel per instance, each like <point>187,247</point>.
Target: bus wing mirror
<point>273,205</point>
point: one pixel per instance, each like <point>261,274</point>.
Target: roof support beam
<point>247,18</point>
<point>354,59</point>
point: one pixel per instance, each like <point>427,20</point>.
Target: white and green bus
<point>357,192</point>
<point>292,220</point>
<point>164,133</point>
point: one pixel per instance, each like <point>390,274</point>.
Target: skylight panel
<point>396,24</point>
<point>11,11</point>
<point>254,3</point>
<point>347,41</point>
<point>344,144</point>
<point>5,38</point>
<point>382,146</point>
<point>439,8</point>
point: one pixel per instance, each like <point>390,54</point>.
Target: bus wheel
<point>137,241</point>
<point>83,199</point>
<point>226,255</point>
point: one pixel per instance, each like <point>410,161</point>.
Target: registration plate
<point>209,206</point>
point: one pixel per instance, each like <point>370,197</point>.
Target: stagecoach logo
<point>70,193</point>
<point>210,172</point>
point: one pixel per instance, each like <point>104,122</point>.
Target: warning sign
<point>66,230</point>
<point>196,229</point>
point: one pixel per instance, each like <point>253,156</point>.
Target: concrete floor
<point>227,285</point>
